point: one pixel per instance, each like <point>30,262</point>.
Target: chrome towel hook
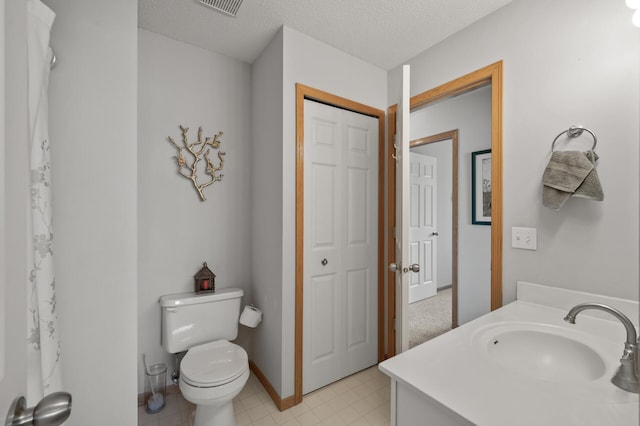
<point>574,132</point>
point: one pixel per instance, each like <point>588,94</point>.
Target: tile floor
<point>361,399</point>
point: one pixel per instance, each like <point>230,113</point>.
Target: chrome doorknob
<point>414,268</point>
<point>324,261</point>
<point>52,410</point>
<point>435,233</point>
<point>393,267</point>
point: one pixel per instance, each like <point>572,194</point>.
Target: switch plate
<point>524,238</point>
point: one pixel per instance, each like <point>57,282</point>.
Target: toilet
<point>214,370</point>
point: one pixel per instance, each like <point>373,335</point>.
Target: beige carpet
<point>429,318</point>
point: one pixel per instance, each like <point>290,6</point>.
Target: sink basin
<point>541,352</point>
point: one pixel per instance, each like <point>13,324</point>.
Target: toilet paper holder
<point>251,316</point>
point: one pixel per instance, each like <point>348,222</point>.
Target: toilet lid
<point>213,364</point>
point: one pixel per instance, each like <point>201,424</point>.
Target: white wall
<point>3,236</point>
<point>323,67</point>
<point>442,151</point>
<point>471,115</point>
<point>266,208</point>
<point>318,65</point>
<point>565,63</point>
<point>14,191</point>
<point>179,84</point>
<point>93,95</point>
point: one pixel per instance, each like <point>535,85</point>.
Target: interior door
<point>402,216</point>
<point>423,194</point>
<point>340,297</point>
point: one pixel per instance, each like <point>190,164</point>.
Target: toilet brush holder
<point>155,388</point>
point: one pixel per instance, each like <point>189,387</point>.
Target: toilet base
<point>207,415</point>
<point>214,405</point>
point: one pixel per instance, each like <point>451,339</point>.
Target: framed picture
<point>481,187</point>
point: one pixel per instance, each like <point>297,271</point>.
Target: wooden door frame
<point>305,92</point>
<point>453,135</point>
<point>491,74</point>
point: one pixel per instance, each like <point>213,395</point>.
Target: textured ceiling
<point>385,33</point>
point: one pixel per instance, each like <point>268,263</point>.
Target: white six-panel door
<point>423,178</point>
<point>340,334</point>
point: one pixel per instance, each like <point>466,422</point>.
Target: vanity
<point>519,365</point>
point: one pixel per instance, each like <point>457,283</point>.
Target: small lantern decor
<point>205,280</point>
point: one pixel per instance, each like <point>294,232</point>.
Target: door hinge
<point>395,324</point>
<point>394,232</point>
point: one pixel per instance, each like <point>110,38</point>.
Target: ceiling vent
<point>228,7</point>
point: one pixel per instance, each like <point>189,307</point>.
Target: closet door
<point>323,332</point>
<point>340,244</point>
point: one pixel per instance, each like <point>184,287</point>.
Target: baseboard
<point>282,404</point>
<point>171,390</point>
<point>444,287</point>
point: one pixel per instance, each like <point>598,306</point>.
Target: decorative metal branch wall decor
<point>198,150</point>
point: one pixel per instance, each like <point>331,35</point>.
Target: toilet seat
<point>213,364</point>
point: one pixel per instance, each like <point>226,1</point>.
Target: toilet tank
<point>190,319</point>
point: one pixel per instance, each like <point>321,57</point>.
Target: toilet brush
<point>156,400</point>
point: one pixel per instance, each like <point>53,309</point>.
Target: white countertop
<point>454,370</point>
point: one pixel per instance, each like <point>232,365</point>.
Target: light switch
<point>524,238</point>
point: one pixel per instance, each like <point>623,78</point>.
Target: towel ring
<point>574,132</point>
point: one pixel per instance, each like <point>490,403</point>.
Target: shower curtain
<point>43,347</point>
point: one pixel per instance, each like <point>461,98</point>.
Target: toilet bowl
<point>211,375</point>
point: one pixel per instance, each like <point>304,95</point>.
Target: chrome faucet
<point>627,376</point>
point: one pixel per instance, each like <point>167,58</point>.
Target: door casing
<point>491,74</point>
<point>305,92</point>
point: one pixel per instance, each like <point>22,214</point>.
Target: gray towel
<point>570,173</point>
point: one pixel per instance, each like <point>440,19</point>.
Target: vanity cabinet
<point>410,407</point>
<point>520,365</point>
